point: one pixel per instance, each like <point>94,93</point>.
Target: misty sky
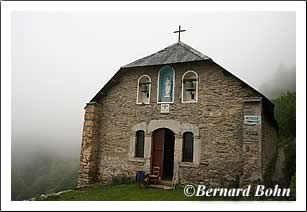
<point>61,59</point>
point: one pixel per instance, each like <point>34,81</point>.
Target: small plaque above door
<point>164,108</point>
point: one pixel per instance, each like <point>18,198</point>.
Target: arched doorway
<point>162,155</point>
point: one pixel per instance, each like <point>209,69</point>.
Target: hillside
<point>41,171</point>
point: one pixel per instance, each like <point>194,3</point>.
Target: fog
<point>282,80</point>
<point>61,59</point>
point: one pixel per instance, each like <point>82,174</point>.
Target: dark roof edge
<point>109,83</point>
<point>266,100</point>
<point>254,89</point>
<point>194,51</point>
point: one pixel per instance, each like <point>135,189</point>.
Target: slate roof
<point>175,53</point>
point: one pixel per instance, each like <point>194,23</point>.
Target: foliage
<point>235,183</point>
<point>285,113</point>
<point>290,160</point>
<point>122,179</point>
<point>293,188</point>
<point>270,170</point>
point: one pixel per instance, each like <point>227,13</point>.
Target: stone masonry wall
<point>218,115</point>
<point>90,143</point>
<point>269,144</point>
<point>252,145</point>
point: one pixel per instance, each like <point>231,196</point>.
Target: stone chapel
<point>178,110</point>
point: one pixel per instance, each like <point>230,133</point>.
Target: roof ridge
<point>168,55</point>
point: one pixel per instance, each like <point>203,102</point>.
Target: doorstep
<point>165,187</point>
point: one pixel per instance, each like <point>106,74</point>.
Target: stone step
<point>167,182</point>
<point>165,187</point>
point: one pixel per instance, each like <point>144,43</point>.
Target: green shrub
<point>285,113</point>
<point>122,179</point>
<point>290,160</point>
<point>235,183</point>
<point>293,188</point>
<point>269,171</point>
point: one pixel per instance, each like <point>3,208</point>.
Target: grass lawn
<point>131,192</point>
<point>122,192</point>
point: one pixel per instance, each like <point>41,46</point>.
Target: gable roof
<point>175,53</point>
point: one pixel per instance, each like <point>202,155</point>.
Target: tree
<point>285,113</point>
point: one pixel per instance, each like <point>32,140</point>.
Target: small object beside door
<point>140,178</point>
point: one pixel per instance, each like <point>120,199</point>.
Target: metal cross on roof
<point>179,32</point>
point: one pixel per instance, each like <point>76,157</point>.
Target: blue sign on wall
<point>166,84</point>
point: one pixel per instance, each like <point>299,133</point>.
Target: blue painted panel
<point>166,81</point>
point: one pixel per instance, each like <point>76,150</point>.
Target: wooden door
<point>157,150</point>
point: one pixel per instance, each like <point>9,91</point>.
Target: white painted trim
<point>158,83</point>
<point>137,90</point>
<point>196,97</point>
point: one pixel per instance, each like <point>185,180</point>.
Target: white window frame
<point>196,92</point>
<point>138,87</point>
<point>158,84</point>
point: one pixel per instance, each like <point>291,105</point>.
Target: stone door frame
<point>178,128</point>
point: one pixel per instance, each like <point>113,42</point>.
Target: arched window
<point>139,144</point>
<point>189,91</point>
<point>143,90</point>
<point>187,147</point>
<point>166,79</point>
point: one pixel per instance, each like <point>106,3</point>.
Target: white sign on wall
<point>164,108</point>
<point>252,120</point>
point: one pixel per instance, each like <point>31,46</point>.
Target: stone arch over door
<point>173,125</point>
